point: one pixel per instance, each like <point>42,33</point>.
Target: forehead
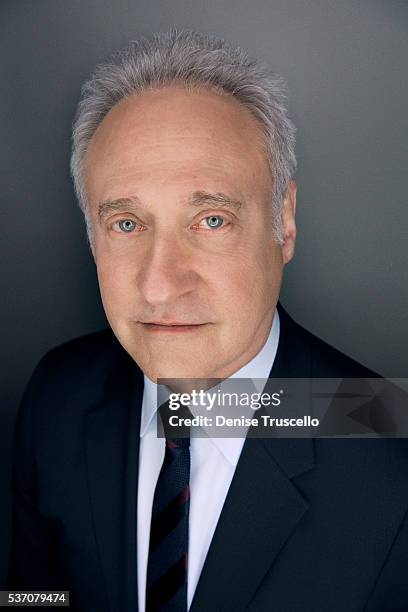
<point>175,135</point>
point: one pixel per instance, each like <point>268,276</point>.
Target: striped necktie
<point>166,581</point>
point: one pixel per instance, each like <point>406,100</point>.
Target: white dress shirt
<point>213,463</point>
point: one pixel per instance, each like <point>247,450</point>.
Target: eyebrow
<point>119,205</point>
<point>198,199</point>
<point>217,200</point>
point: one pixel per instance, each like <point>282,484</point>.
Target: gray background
<point>345,64</point>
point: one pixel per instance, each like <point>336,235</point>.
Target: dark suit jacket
<point>308,525</point>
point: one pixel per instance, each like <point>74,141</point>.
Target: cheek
<point>246,284</point>
<point>115,285</point>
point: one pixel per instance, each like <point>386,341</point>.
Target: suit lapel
<point>112,450</point>
<point>263,506</point>
<point>261,511</point>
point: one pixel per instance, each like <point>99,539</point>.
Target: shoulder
<point>328,360</point>
<point>311,356</point>
<point>80,361</point>
<point>86,350</point>
<point>346,461</point>
<point>72,377</point>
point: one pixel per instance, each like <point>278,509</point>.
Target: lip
<point>172,328</point>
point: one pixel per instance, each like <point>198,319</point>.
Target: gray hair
<point>194,59</point>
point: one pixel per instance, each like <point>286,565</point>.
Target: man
<point>183,162</point>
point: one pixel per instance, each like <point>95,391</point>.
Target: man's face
<point>189,269</point>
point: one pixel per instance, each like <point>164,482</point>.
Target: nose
<point>166,272</point>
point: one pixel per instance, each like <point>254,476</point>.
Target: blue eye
<point>214,221</point>
<point>127,225</point>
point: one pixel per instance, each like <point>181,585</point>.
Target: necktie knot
<point>176,430</point>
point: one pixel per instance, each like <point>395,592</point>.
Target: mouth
<point>171,327</point>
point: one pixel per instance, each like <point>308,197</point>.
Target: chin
<point>166,373</point>
<point>173,370</point>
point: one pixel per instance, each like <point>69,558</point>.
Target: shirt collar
<point>257,369</point>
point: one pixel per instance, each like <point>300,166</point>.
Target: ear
<point>288,222</point>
